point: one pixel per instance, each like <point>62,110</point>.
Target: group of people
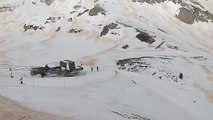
<point>97,68</point>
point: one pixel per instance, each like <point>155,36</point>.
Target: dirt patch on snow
<point>3,53</point>
<point>90,62</point>
<point>187,60</point>
<point>206,69</point>
<point>12,110</point>
<point>47,42</point>
<point>210,77</point>
<point>2,41</point>
<point>207,92</point>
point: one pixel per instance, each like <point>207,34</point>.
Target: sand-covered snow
<point>12,110</point>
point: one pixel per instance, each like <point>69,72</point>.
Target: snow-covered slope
<point>140,46</point>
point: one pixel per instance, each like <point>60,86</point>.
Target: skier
<point>11,73</point>
<point>21,79</point>
<point>97,68</point>
<point>91,69</point>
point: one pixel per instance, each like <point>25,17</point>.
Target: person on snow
<point>21,79</point>
<point>11,73</point>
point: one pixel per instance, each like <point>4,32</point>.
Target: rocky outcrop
<point>157,1</point>
<point>79,14</point>
<point>96,10</point>
<point>6,8</point>
<point>75,30</point>
<point>107,28</point>
<point>48,2</point>
<point>125,46</point>
<point>186,16</point>
<point>32,27</point>
<point>153,65</point>
<point>194,11</point>
<point>130,116</point>
<point>189,12</point>
<point>149,1</point>
<point>144,37</point>
<point>52,20</point>
<point>193,14</point>
<point>177,1</point>
<point>58,29</point>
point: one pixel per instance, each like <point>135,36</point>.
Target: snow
<point>89,100</point>
<point>109,93</point>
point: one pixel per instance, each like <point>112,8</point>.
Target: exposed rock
<point>157,1</point>
<point>191,14</point>
<point>162,30</point>
<point>6,8</point>
<point>130,116</point>
<point>72,12</point>
<point>144,37</point>
<point>96,10</point>
<point>69,19</point>
<point>196,3</point>
<point>96,1</point>
<point>52,19</point>
<point>107,28</point>
<point>160,45</point>
<point>58,29</point>
<point>125,46</point>
<point>124,24</point>
<point>114,33</point>
<point>173,47</point>
<point>112,25</point>
<point>77,7</point>
<point>32,27</point>
<point>186,16</point>
<point>177,1</point>
<point>75,30</point>
<point>200,58</point>
<point>48,2</point>
<point>79,14</point>
<point>147,64</point>
<point>149,1</point>
<point>104,31</point>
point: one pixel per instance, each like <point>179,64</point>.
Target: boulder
<point>186,16</point>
